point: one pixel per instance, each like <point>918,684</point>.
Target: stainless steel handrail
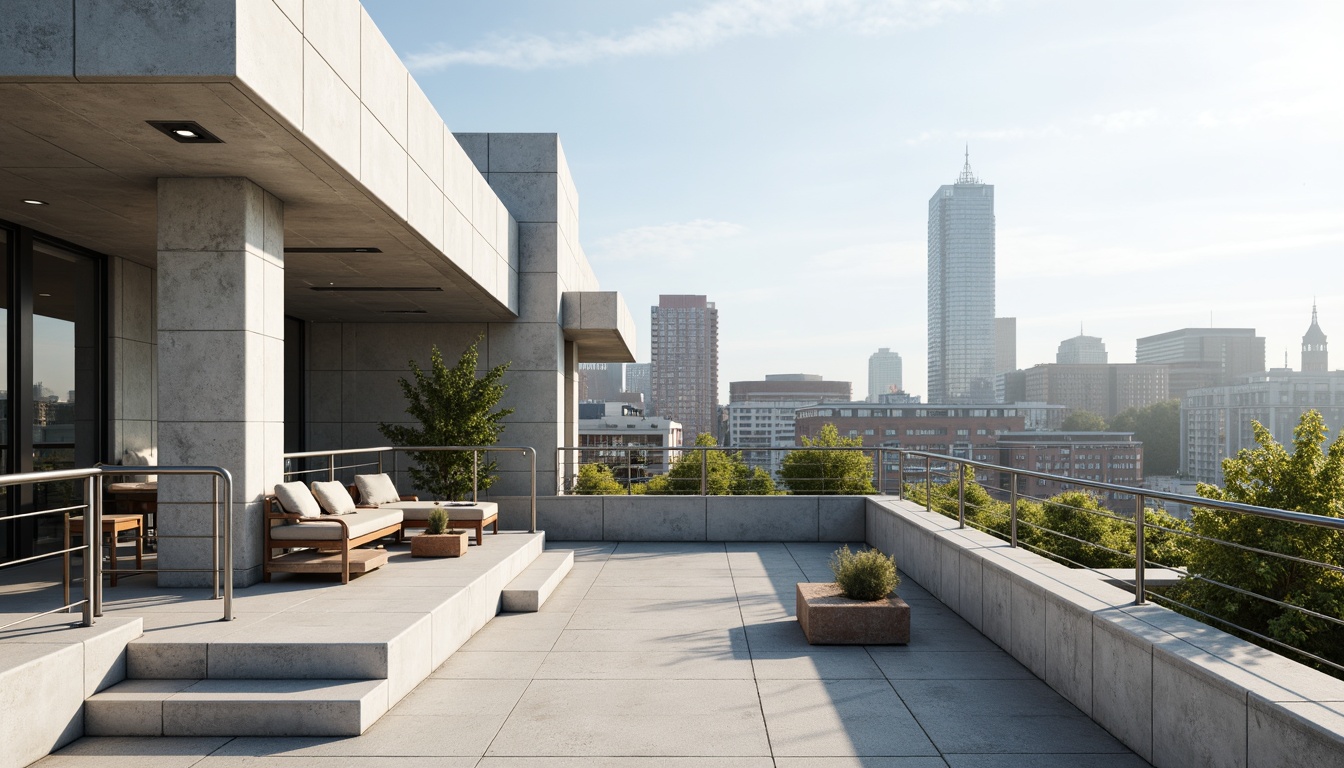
<point>91,604</point>
<point>395,450</point>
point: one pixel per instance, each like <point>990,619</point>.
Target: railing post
<point>961,496</point>
<point>93,559</point>
<point>704,472</point>
<point>629,471</point>
<point>881,473</point>
<point>928,483</point>
<point>380,462</point>
<point>228,545</point>
<point>96,510</point>
<point>1012,510</point>
<point>214,542</point>
<point>331,467</point>
<point>475,468</point>
<point>1140,552</point>
<point>900,475</point>
<point>532,454</point>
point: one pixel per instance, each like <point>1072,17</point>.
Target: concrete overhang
<point>309,101</point>
<point>601,324</point>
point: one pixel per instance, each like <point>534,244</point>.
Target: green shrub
<point>864,575</point>
<point>438,521</point>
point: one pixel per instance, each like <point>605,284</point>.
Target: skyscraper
<point>600,381</point>
<point>961,291</point>
<point>639,378</point>
<point>1080,350</point>
<point>1315,358</point>
<point>884,373</point>
<point>685,349</point>
<point>1005,344</point>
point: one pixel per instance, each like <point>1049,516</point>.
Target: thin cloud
<point>702,28</point>
<point>665,242</point>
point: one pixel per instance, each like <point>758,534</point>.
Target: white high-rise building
<point>1081,350</point>
<point>961,291</point>
<point>884,374</point>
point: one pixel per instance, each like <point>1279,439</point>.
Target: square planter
<point>439,544</point>
<point>829,618</point>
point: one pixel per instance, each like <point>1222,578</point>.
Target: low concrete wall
<point>691,518</point>
<point>1177,692</point>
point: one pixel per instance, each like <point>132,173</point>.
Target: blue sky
<point>1154,163</point>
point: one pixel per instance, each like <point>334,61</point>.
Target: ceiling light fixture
<point>404,312</point>
<point>185,131</point>
<point>336,249</point>
<point>44,295</point>
<point>379,289</point>
<point>34,201</point>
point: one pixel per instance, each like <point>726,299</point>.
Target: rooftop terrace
<point>684,654</point>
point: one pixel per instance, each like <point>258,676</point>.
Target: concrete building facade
<point>884,374</point>
<point>1105,390</point>
<point>685,363</point>
<point>961,291</point>
<point>1216,422</point>
<point>1081,350</point>
<point>761,413</point>
<point>603,426</point>
<point>257,271</point>
<point>1203,357</point>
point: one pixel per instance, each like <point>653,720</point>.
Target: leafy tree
<point>829,472</point>
<point>1158,427</point>
<point>1084,421</point>
<point>1080,515</point>
<point>597,480</point>
<point>726,472</point>
<point>454,407</point>
<point>1310,480</point>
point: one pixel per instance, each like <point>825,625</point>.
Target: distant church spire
<point>1315,357</point>
<point>967,176</point>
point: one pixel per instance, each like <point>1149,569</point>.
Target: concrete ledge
<point>1174,690</point>
<point>530,589</point>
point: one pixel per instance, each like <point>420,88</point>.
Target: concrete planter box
<point>439,544</point>
<point>829,618</point>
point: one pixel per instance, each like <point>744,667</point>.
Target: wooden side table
<point>113,526</point>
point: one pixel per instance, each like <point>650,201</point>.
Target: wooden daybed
<point>328,544</point>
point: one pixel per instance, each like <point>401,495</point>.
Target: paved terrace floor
<point>688,655</point>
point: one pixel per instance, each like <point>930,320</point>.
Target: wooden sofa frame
<point>274,514</point>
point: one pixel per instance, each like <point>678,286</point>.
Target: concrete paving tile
<point>822,664</point>
<point>472,701</point>
<point>781,635</point>
<point>507,639</point>
<point>392,736</point>
<point>1047,761</point>
<point>621,762</point>
<point>336,762</point>
<point>911,664</point>
<point>705,641</point>
<point>132,752</point>
<point>948,639</point>
<point>629,549</point>
<point>1020,735</point>
<point>714,592</point>
<point>962,699</point>
<point>838,718</point>
<point>686,665</point>
<point>658,616</point>
<point>860,762</point>
<point>490,665</point>
<point>719,718</point>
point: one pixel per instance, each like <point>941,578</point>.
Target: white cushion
<point>297,499</point>
<point>363,522</point>
<point>376,489</point>
<point>334,497</point>
<point>141,457</point>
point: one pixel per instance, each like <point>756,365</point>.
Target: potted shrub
<point>437,540</point>
<point>860,607</point>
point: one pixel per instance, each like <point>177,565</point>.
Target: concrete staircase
<point>330,667</point>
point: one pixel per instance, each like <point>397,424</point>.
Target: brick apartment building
<point>1104,457</point>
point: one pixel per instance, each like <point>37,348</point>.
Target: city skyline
<point>1157,166</point>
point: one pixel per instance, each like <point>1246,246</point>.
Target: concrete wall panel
<point>761,518</point>
<point>654,518</point>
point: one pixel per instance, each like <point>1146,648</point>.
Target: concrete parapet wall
<point>690,518</point>
<point>1177,692</point>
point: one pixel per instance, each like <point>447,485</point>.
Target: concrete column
<point>221,364</point>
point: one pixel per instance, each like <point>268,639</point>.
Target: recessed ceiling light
<point>44,295</point>
<point>405,312</point>
<point>379,289</point>
<point>184,131</point>
<point>32,201</point>
<point>336,249</point>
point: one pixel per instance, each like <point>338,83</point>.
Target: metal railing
<point>574,456</point>
<point>948,469</point>
<point>331,468</point>
<point>91,604</point>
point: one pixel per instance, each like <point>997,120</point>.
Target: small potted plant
<point>437,540</point>
<point>860,607</point>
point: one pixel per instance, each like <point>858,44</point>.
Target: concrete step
<point>529,590</point>
<point>236,708</point>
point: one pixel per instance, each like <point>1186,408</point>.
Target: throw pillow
<point>295,498</point>
<point>334,498</point>
<point>376,489</point>
<point>141,457</point>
